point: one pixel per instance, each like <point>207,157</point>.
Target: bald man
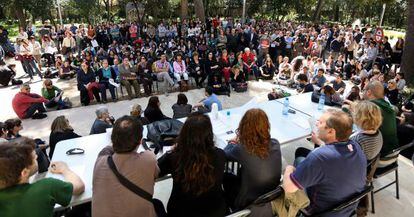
<point>374,91</point>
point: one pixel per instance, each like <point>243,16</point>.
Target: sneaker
<point>39,116</point>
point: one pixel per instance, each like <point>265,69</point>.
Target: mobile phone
<point>292,111</point>
<point>229,132</point>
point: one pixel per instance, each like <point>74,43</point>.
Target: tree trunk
<point>317,14</point>
<point>20,16</point>
<point>407,65</point>
<point>199,10</point>
<point>336,12</point>
<point>184,10</point>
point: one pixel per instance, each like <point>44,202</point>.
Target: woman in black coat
<point>153,112</point>
<point>60,130</point>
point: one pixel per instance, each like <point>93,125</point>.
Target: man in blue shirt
<point>333,172</point>
<point>209,100</point>
<point>319,79</point>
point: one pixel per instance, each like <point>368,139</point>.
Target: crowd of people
<point>221,56</point>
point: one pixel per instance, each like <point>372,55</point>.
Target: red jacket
<point>22,101</point>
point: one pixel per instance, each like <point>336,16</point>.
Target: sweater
<point>22,101</point>
<point>388,127</point>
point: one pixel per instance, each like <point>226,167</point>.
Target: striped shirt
<point>371,144</point>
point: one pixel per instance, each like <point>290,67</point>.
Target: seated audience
<point>54,95</point>
<point>249,61</point>
<point>319,79</point>
<point>354,95</point>
<point>285,76</point>
<point>197,70</point>
<point>66,71</point>
<point>153,111</point>
<point>110,196</point>
<point>161,68</point>
<point>253,148</point>
<point>180,69</point>
<point>399,78</point>
<point>60,130</point>
<point>405,132</point>
<point>268,69</point>
<point>207,102</point>
<point>107,76</point>
<point>29,105</point>
<point>331,95</point>
<point>87,84</point>
<point>318,173</point>
<point>102,122</point>
<point>338,84</point>
<point>237,77</point>
<point>197,180</point>
<point>128,78</point>
<point>7,74</point>
<point>136,111</point>
<point>304,85</point>
<point>181,109</point>
<point>391,92</point>
<point>367,117</point>
<point>218,86</point>
<point>18,159</point>
<point>14,126</point>
<point>145,75</point>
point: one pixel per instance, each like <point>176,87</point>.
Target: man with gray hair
<point>102,122</point>
<point>29,105</point>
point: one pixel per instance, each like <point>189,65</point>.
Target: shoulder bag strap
<point>128,184</point>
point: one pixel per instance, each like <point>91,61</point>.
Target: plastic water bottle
<point>228,119</point>
<point>214,111</point>
<point>321,103</point>
<point>285,110</point>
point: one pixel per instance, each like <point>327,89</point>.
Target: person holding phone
<point>54,95</point>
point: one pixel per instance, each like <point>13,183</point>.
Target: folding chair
<point>386,165</point>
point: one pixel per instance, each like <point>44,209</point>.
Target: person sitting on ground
<point>304,85</point>
<point>318,173</point>
<point>14,126</point>
<point>153,111</point>
<point>391,92</point>
<point>319,79</point>
<point>253,148</point>
<point>405,132</point>
<point>331,95</point>
<point>237,77</point>
<point>17,194</point>
<point>136,111</point>
<point>54,95</point>
<point>87,84</point>
<point>102,122</point>
<point>354,94</point>
<point>110,196</point>
<point>181,109</point>
<point>207,102</point>
<point>195,193</point>
<point>218,86</point>
<point>275,94</point>
<point>268,69</point>
<point>285,76</point>
<point>66,71</point>
<point>60,130</point>
<point>29,105</point>
<point>7,74</point>
<point>107,76</point>
<point>128,78</point>
<point>399,78</point>
<point>367,117</point>
<point>338,84</point>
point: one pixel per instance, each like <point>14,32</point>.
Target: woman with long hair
<point>60,130</point>
<point>197,168</point>
<point>153,111</point>
<point>181,109</point>
<point>259,156</point>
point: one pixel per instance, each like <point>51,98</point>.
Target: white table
<point>303,103</point>
<point>284,128</point>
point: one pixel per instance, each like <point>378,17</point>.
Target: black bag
<point>158,206</point>
<point>240,87</point>
<point>163,133</point>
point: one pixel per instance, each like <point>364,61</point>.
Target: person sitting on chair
<point>87,84</point>
<point>103,120</point>
<point>318,173</point>
<point>180,69</point>
<point>107,76</point>
<point>128,78</point>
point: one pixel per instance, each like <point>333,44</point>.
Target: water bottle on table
<point>321,103</point>
<point>285,110</point>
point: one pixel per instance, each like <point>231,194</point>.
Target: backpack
<point>240,87</point>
